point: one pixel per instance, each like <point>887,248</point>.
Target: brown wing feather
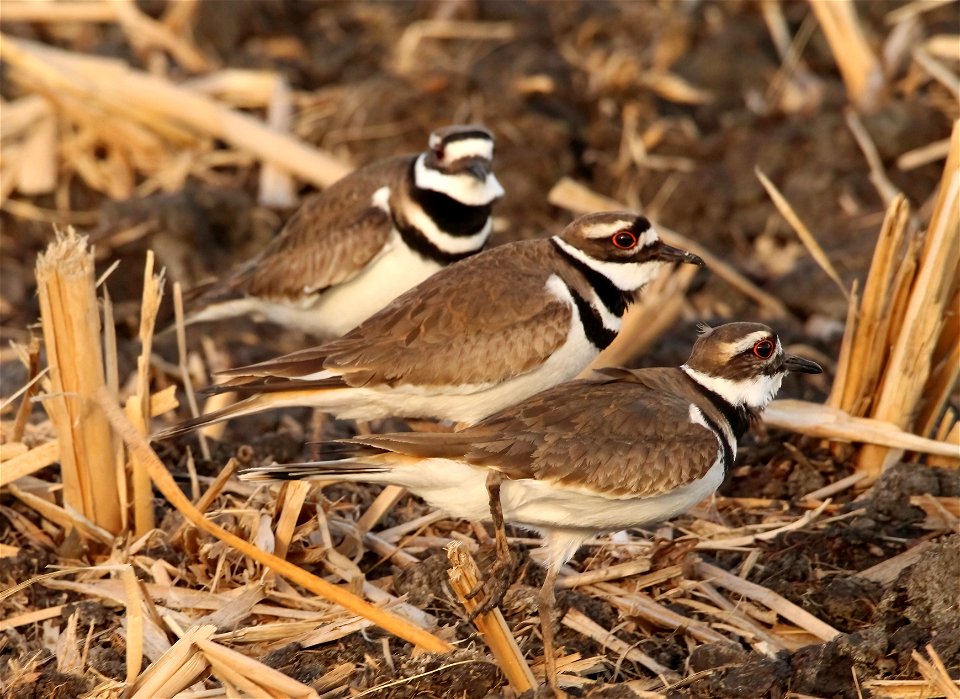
<point>620,436</point>
<point>330,238</point>
<point>480,321</point>
<point>629,435</point>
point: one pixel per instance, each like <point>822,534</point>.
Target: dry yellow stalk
<point>30,462</point>
<point>619,571</point>
<point>582,624</point>
<point>823,421</point>
<point>806,237</point>
<point>36,616</point>
<point>37,171</point>
<point>380,507</point>
<point>184,368</point>
<point>840,379</point>
<point>71,331</point>
<point>67,648</point>
<point>138,407</point>
<point>20,115</point>
<point>66,518</point>
<point>859,66</point>
<point>134,623</point>
<point>446,29</point>
<point>914,9</point>
<point>276,187</point>
<point>160,104</point>
<point>643,606</point>
<point>924,314</point>
<point>783,607</point>
<point>464,577</point>
<point>901,689</point>
<point>935,672</point>
<point>266,676</point>
<point>148,684</point>
<point>230,677</point>
<point>143,30</point>
<point>871,322</point>
<point>23,464</point>
<point>63,11</point>
<point>751,539</point>
<point>166,485</point>
<point>295,493</point>
<point>33,375</point>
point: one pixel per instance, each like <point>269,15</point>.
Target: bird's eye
<point>625,240</point>
<point>763,349</point>
<point>438,152</point>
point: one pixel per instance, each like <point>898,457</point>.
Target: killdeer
<point>477,336</point>
<point>623,448</point>
<point>353,248</point>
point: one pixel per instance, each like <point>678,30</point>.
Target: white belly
<point>466,403</point>
<point>343,307</point>
<point>460,490</point>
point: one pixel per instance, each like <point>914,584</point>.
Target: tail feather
<point>314,471</point>
<point>245,407</point>
<point>290,395</point>
<point>247,385</point>
<point>300,363</point>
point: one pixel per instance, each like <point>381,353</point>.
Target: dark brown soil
<point>344,67</point>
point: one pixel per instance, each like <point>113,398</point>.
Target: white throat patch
<point>465,188</point>
<point>754,393</point>
<point>626,276</point>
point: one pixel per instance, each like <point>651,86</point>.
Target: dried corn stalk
<point>899,360</point>
<point>71,331</point>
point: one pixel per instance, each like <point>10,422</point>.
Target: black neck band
<point>614,298</point>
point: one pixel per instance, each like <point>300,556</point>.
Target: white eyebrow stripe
<point>733,348</point>
<point>606,230</point>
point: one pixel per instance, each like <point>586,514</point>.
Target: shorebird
<point>620,449</point>
<point>353,248</point>
<point>476,337</point>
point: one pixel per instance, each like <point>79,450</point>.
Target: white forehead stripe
<point>748,342</point>
<point>468,148</point>
<point>606,230</point>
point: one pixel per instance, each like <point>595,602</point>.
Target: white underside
<point>463,403</point>
<point>565,516</point>
<point>341,308</point>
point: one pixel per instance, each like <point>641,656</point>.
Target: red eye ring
<point>625,239</point>
<point>763,349</point>
<point>438,152</point>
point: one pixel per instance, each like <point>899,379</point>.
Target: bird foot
<point>496,583</point>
